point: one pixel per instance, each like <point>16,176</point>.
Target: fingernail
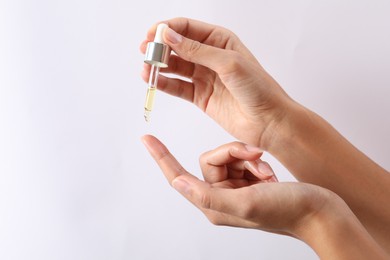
<point>181,186</point>
<point>172,36</point>
<point>265,169</point>
<point>274,179</point>
<point>251,148</point>
<point>251,166</point>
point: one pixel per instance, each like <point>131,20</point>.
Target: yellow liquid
<point>149,102</point>
<point>150,98</point>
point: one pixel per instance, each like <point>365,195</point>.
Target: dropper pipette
<point>157,55</point>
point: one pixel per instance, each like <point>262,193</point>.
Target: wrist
<point>300,140</point>
<point>334,232</point>
<point>279,124</point>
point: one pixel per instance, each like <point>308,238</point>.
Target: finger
<point>230,152</point>
<point>236,171</point>
<point>169,165</point>
<point>176,66</point>
<point>214,164</point>
<point>257,170</point>
<point>196,30</point>
<point>180,67</point>
<point>260,169</point>
<point>238,174</point>
<point>206,33</point>
<point>143,45</point>
<point>200,53</point>
<point>265,169</point>
<point>272,179</point>
<point>165,160</point>
<point>201,31</point>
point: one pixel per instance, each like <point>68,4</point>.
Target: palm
<point>274,205</point>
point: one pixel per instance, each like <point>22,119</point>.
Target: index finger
<point>193,29</point>
<point>165,160</point>
<point>230,152</point>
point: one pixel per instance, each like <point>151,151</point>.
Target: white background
<point>75,180</point>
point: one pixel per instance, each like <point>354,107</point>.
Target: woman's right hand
<point>226,80</point>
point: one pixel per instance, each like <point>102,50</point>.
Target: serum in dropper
<point>157,55</point>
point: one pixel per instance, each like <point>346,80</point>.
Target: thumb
<point>196,52</point>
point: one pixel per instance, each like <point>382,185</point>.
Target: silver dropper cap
<point>157,53</point>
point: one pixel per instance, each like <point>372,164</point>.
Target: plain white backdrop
<point>75,180</point>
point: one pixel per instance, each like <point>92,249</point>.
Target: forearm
<point>316,153</point>
<point>336,233</point>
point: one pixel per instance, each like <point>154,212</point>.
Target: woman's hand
<point>228,83</point>
<point>224,79</point>
<point>241,190</point>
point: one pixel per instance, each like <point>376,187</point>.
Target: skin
<point>234,90</point>
<point>236,193</point>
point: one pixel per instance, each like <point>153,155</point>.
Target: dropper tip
<point>147,116</point>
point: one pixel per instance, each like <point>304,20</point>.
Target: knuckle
<point>234,40</point>
<point>233,64</point>
<point>218,37</point>
<point>180,170</point>
<point>222,38</point>
<point>162,155</point>
<point>194,47</point>
<point>237,145</point>
<point>203,158</point>
<point>180,91</point>
<point>236,61</point>
<point>205,201</point>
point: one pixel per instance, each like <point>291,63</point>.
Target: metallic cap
<point>157,54</point>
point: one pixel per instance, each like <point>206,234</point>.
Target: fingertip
<point>151,32</point>
<point>149,37</point>
<point>145,139</point>
<point>144,75</point>
<point>151,143</point>
<point>252,167</point>
<point>274,179</point>
<point>265,168</point>
<point>172,37</point>
<point>142,46</point>
<point>261,170</point>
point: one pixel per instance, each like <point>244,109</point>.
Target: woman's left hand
<point>241,190</point>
